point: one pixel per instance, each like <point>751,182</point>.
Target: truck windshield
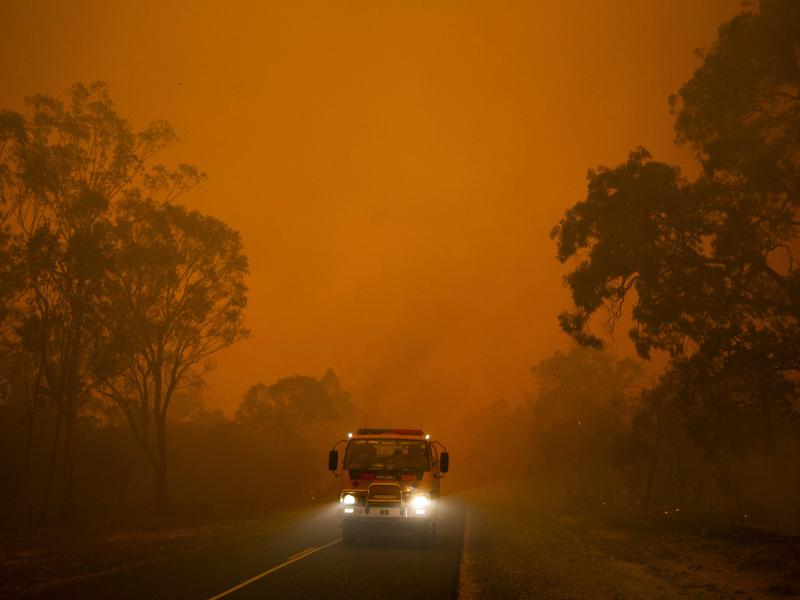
<point>387,455</point>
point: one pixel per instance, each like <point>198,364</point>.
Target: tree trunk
<point>33,405</point>
<point>29,466</point>
<point>65,512</point>
<point>51,469</point>
<point>652,463</point>
<point>162,495</point>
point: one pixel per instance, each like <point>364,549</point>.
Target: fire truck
<point>390,479</point>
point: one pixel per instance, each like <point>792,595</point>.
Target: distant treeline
<point>270,455</point>
<point>596,434</point>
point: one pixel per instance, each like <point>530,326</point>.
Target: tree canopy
<point>175,295</point>
<point>707,265</point>
<point>105,279</point>
<point>293,402</point>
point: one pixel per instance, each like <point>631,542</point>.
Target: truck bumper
<point>375,514</point>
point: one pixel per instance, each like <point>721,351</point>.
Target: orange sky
<point>394,166</point>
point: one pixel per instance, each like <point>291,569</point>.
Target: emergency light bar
<point>416,432</point>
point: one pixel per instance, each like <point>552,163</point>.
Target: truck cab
<point>390,478</point>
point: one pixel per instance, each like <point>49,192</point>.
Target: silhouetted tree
<point>636,452</point>
<point>12,139</point>
<point>707,265</point>
<point>175,296</point>
<point>740,113</point>
<point>93,269</point>
<point>293,402</point>
<point>732,407</point>
<point>66,266</point>
<point>716,252</point>
<point>583,403</point>
<point>62,167</point>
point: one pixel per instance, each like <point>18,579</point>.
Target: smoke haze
<point>394,168</point>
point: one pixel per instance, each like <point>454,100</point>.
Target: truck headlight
<point>420,501</point>
<point>348,499</point>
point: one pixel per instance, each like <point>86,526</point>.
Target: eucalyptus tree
<point>175,296</point>
<point>707,266</point>
<point>292,403</point>
<point>63,167</point>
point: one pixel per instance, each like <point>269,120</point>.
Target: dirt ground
<point>516,551</point>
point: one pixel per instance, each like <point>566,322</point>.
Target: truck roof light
<point>416,432</point>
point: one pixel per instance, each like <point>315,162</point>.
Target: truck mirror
<point>444,462</point>
<point>333,460</point>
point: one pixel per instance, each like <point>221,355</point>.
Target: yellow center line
<point>292,559</point>
<point>303,552</point>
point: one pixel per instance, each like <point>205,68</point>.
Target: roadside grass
<point>514,548</point>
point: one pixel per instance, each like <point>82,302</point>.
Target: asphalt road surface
<point>303,560</point>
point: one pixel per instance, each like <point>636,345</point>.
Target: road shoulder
<point>513,551</point>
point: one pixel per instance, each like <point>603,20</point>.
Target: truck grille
<point>384,494</point>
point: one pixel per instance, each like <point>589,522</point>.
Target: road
<point>303,560</point>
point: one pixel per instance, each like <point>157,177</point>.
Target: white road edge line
<point>295,558</point>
